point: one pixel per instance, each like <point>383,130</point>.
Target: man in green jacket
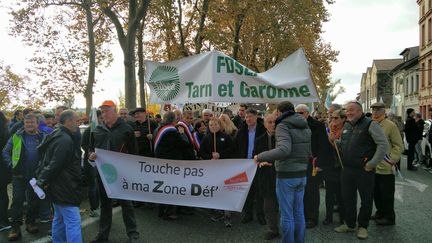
<point>21,154</point>
<point>384,177</point>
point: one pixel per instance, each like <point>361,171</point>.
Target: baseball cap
<point>108,103</point>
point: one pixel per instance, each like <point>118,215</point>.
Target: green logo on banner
<point>165,81</point>
<point>109,172</point>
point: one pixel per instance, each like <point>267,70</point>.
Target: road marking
<point>417,185</point>
<point>398,193</point>
<point>85,223</point>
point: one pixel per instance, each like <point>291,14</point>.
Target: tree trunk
<point>130,77</point>
<point>199,38</point>
<point>237,26</point>
<point>88,93</point>
<point>141,65</point>
<point>127,43</point>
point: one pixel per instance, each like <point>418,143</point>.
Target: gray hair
<point>168,117</point>
<point>302,107</point>
<point>335,106</point>
<point>66,115</point>
<point>206,111</point>
<point>41,118</point>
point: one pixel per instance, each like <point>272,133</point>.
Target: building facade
<point>406,83</point>
<point>425,57</point>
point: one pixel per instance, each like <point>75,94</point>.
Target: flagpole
<point>149,131</point>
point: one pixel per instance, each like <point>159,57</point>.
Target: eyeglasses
<point>335,117</point>
<point>300,112</point>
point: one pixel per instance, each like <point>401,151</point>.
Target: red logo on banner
<point>242,177</point>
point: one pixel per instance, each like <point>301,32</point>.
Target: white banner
<point>218,184</point>
<point>216,77</point>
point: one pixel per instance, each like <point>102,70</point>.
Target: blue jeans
<point>290,194</point>
<point>66,226</point>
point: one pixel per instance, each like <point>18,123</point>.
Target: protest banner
<point>216,77</point>
<point>218,184</point>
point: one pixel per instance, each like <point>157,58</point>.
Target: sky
<point>361,30</point>
<point>366,30</point>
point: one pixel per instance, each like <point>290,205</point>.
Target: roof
<point>412,52</point>
<point>387,64</point>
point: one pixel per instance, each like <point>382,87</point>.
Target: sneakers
<point>362,233</point>
<point>4,227</point>
<point>47,220</point>
<point>344,229</point>
<point>94,213</point>
<point>14,234</point>
<point>32,228</point>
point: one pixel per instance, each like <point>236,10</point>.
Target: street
<point>413,206</point>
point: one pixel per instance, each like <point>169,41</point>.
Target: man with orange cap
<point>113,134</point>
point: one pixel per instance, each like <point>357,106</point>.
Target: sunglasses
<point>300,112</point>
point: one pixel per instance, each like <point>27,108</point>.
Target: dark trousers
<point>105,220</point>
<point>312,197</point>
<point>354,180</point>
<point>410,159</point>
<point>271,210</point>
<point>90,177</point>
<point>384,196</point>
<point>254,196</point>
<point>333,191</point>
<point>21,192</point>
<point>4,204</point>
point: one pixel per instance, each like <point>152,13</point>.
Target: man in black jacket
<point>238,120</point>
<point>143,128</point>
<point>411,136</point>
<point>246,137</point>
<point>114,135</point>
<point>60,176</point>
<point>320,147</point>
<point>267,177</point>
<point>89,171</point>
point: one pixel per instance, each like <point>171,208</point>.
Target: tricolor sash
<point>187,131</point>
<point>164,130</point>
<point>197,141</point>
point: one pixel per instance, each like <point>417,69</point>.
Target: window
<point>422,41</point>
<point>417,83</point>
<point>423,75</point>
<point>430,28</point>
<point>412,85</point>
<point>429,72</point>
<point>406,87</point>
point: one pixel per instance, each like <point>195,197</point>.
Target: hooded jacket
<point>293,146</point>
<point>59,170</point>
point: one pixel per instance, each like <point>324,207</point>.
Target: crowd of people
<point>296,153</point>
